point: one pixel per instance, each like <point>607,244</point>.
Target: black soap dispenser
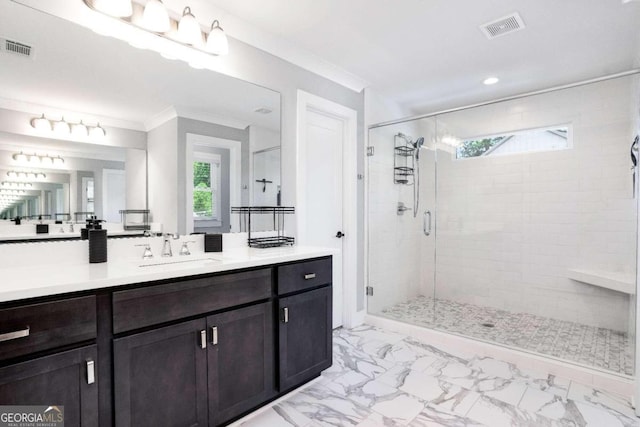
<point>97,241</point>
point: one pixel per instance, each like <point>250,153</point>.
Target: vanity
<point>192,343</point>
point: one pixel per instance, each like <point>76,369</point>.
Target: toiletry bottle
<point>97,242</point>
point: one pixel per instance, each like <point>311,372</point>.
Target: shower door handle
<point>426,225</point>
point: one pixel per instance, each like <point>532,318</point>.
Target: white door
<point>113,194</point>
<point>323,194</point>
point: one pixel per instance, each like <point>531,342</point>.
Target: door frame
<point>349,117</point>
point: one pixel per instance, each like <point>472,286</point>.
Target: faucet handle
<point>147,251</point>
<point>184,250</point>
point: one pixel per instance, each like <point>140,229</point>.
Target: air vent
<point>502,26</point>
<point>16,48</point>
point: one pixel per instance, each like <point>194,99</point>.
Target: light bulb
<point>155,17</point>
<point>61,127</point>
<point>97,132</point>
<point>217,42</point>
<point>79,130</point>
<point>58,161</point>
<point>41,124</point>
<point>20,157</point>
<point>46,160</point>
<point>116,8</point>
<point>189,29</point>
<point>40,175</point>
<point>12,174</point>
<point>34,159</point>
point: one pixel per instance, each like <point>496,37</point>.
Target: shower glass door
<point>537,221</point>
<point>526,223</point>
<point>401,221</point>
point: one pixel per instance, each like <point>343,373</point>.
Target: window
<point>206,188</point>
<point>525,141</point>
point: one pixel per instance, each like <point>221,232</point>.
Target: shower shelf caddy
<point>278,213</point>
<point>403,161</point>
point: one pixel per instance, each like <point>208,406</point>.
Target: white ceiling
<point>430,54</point>
<point>425,55</point>
<point>75,70</point>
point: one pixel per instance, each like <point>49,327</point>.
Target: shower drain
<point>488,325</point>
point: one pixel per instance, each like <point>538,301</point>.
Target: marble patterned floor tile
<point>278,417</point>
<point>598,347</point>
<point>405,382</point>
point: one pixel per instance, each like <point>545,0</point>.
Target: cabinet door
<point>241,367</point>
<point>160,377</point>
<point>305,336</point>
<point>61,379</point>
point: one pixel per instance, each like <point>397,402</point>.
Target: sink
<point>171,261</point>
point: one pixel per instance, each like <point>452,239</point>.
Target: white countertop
<point>42,280</point>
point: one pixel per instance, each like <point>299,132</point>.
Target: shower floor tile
<point>598,347</point>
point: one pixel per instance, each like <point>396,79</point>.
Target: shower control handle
<point>426,225</point>
<point>339,234</point>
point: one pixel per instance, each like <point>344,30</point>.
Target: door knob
<point>339,234</point>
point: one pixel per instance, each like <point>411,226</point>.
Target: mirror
<point>71,72</point>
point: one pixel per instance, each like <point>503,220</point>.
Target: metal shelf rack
<point>278,213</point>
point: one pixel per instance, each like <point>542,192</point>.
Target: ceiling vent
<point>502,26</point>
<point>16,48</point>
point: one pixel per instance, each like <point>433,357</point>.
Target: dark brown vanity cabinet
<point>35,366</point>
<point>66,379</point>
<point>191,351</point>
<point>160,377</point>
<point>305,347</point>
<point>241,361</point>
<point>201,372</point>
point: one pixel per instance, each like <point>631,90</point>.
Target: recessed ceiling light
<point>491,81</point>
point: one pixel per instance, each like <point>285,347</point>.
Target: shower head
<point>419,143</point>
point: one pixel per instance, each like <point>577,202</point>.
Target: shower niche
<point>403,160</point>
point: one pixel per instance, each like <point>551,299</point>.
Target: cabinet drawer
<point>303,275</point>
<point>152,305</point>
<point>31,328</point>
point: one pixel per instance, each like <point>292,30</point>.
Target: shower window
<point>522,141</point>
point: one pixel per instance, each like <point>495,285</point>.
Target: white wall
<point>510,227</point>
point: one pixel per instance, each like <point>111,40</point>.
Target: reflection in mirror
<point>152,118</point>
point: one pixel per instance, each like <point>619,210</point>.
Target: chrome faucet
<point>147,251</point>
<point>166,247</point>
<point>184,250</point>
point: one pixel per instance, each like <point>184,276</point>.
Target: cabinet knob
<point>309,276</point>
<point>285,315</point>
<point>214,335</point>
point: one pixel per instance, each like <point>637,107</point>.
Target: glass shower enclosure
<point>513,223</point>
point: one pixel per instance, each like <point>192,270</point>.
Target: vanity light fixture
<point>64,128</point>
<point>16,185</point>
<point>155,17</point>
<point>26,175</point>
<point>153,28</point>
<point>36,159</point>
<point>217,42</point>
